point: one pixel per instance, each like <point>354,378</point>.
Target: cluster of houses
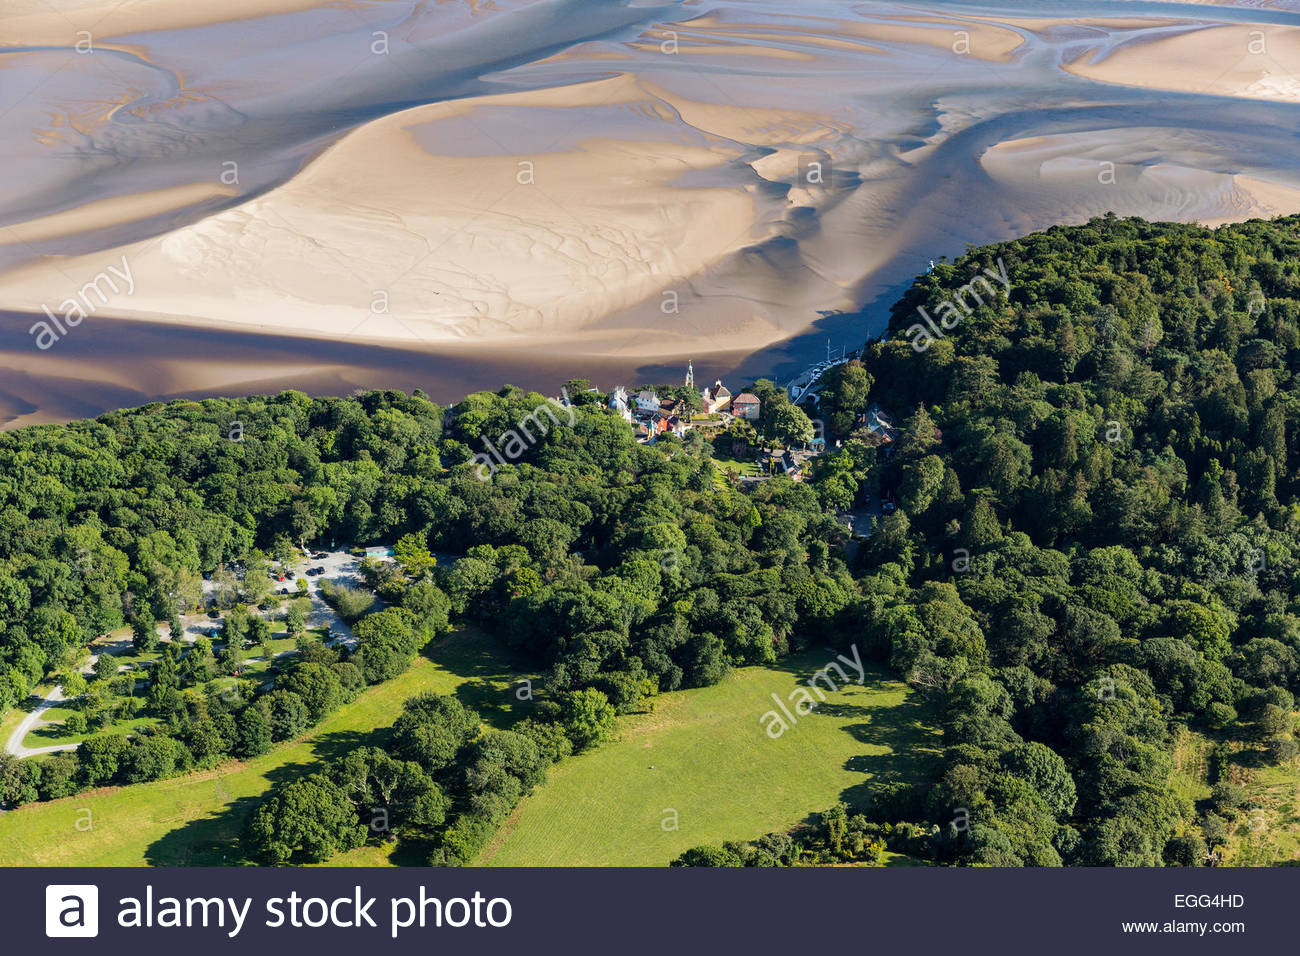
<point>653,416</point>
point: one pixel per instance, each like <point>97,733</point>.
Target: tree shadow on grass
<point>904,736</point>
<point>215,839</point>
<point>210,841</point>
<point>1250,758</point>
<point>51,733</point>
<point>487,669</point>
<point>489,672</point>
<point>29,703</point>
<point>906,731</point>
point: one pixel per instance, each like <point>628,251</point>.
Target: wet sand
<point>120,363</point>
<point>531,191</point>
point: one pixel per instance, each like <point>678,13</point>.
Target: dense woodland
<point>1095,545</point>
<point>1096,540</point>
<point>620,570</point>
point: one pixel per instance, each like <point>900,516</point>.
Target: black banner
<point>629,911</point>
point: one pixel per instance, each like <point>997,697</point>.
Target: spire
<point>690,375</point>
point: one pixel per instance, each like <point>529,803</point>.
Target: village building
<point>673,407</point>
<point>618,404</point>
<point>647,401</point>
<point>879,424</point>
<point>715,399</point>
<point>746,405</point>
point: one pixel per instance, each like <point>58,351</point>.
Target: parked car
<point>214,613</point>
<point>284,590</point>
<point>321,569</point>
<point>319,555</point>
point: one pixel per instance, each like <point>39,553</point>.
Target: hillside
<point>1093,555</point>
<point>1096,536</point>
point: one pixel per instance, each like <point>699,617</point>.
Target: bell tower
<point>690,375</point>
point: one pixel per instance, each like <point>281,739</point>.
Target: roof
<point>745,398</point>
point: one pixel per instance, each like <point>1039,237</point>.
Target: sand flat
<point>667,214</point>
<point>440,248</point>
<point>59,22</point>
<point>103,213</point>
<point>1252,60</point>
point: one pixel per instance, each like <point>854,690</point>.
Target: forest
<point>1095,546</point>
<point>622,570</point>
<point>1094,549</point>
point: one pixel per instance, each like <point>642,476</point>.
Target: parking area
<point>339,566</point>
<point>336,565</point>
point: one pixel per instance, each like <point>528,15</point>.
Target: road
<point>195,626</point>
<point>342,568</point>
<point>14,745</point>
<point>804,383</point>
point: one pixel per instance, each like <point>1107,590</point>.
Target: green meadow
<point>1266,831</point>
<point>697,769</point>
<point>701,769</point>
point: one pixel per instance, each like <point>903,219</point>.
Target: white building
<point>715,399</point>
<point>619,405</point>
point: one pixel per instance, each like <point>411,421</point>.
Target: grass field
<point>12,717</point>
<point>1270,835</point>
<point>1267,831</point>
<point>742,468</point>
<point>54,734</point>
<point>195,819</point>
<point>702,759</point>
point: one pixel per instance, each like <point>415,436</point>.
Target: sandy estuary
<point>449,195</point>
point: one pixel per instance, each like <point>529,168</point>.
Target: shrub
<point>75,724</point>
<point>588,717</point>
<point>711,856</point>
<point>1219,715</point>
<point>1282,750</point>
<point>350,602</point>
<point>1226,798</point>
<point>1187,850</point>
